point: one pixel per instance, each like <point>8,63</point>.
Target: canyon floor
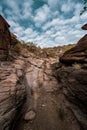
<point>46,107</point>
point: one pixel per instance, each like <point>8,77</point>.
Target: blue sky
<point>46,22</point>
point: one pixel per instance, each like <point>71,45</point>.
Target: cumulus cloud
<point>53,4</point>
<point>41,15</point>
<point>67,6</point>
<point>51,24</point>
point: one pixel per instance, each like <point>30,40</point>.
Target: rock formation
<point>72,75</point>
<point>5,38</point>
<point>46,106</point>
<point>46,102</point>
<point>14,40</point>
<point>12,92</point>
<point>78,53</point>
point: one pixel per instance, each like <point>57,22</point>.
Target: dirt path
<point>45,101</point>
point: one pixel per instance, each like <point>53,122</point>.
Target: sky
<point>47,23</point>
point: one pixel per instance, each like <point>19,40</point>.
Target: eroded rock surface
<point>72,75</point>
<point>12,92</point>
<point>74,82</point>
<point>46,106</point>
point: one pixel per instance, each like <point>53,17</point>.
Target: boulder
<point>30,115</point>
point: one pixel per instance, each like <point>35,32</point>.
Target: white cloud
<point>18,10</point>
<point>55,28</point>
<point>27,9</point>
<point>53,4</point>
<point>48,32</point>
<point>67,6</point>
<point>14,6</point>
<point>77,8</point>
<point>84,17</point>
<point>42,14</point>
<point>60,40</point>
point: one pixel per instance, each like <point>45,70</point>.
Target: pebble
<point>29,115</point>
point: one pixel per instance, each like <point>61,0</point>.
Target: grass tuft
<point>61,113</point>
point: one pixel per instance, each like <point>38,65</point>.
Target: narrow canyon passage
<point>46,106</point>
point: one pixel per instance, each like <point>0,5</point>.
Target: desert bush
<point>61,113</point>
<point>76,66</point>
<point>18,48</point>
<point>52,55</point>
<point>68,47</point>
<point>32,47</point>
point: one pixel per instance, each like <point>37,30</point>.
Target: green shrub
<point>76,66</point>
<point>61,113</point>
<point>68,47</point>
<point>52,55</point>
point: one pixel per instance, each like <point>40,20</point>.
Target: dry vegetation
<point>52,52</point>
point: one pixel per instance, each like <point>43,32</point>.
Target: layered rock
<point>14,40</point>
<point>77,53</point>
<point>74,83</point>
<point>72,75</point>
<point>12,92</point>
<point>46,102</point>
<point>5,38</point>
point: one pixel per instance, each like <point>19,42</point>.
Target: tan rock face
<point>12,92</point>
<point>45,100</point>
